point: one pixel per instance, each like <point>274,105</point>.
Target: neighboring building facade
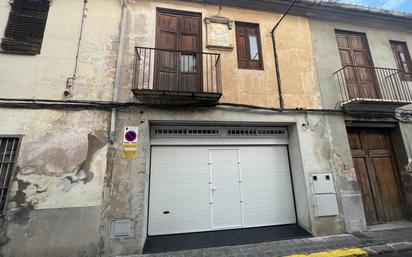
<point>366,70</point>
<point>205,136</point>
<point>59,155</point>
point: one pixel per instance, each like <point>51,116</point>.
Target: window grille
<point>25,27</point>
<point>8,153</point>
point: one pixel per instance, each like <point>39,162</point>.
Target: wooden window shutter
<point>403,59</point>
<point>249,50</point>
<point>25,27</point>
<point>242,49</point>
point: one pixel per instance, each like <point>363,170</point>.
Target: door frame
<point>198,53</point>
<point>368,55</point>
<point>385,127</point>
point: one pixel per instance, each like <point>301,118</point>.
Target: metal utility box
<point>323,183</point>
<point>323,190</point>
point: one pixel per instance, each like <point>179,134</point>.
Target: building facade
<point>123,121</point>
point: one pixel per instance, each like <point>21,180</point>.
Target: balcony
<point>176,78</point>
<point>372,90</point>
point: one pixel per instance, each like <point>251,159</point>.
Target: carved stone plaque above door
<point>219,33</point>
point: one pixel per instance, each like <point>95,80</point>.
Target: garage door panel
<point>180,177</point>
<point>267,186</point>
<point>173,178</point>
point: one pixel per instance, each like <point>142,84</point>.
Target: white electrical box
<point>323,190</point>
<point>323,183</point>
<point>326,205</point>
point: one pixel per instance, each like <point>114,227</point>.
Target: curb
<point>350,252</point>
<point>361,252</point>
<point>388,248</point>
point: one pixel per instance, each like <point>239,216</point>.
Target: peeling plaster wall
<point>130,177</point>
<point>55,199</point>
<point>404,154</point>
<point>255,87</point>
<point>60,170</point>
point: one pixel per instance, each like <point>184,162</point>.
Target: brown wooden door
<point>377,174</point>
<point>353,50</point>
<point>178,69</point>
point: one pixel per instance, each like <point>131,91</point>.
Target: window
<point>249,50</point>
<point>403,59</point>
<point>25,26</point>
<point>8,152</point>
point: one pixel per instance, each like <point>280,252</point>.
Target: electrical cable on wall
<point>70,80</point>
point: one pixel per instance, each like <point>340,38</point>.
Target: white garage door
<point>201,188</point>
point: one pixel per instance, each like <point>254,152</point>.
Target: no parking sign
<point>130,137</point>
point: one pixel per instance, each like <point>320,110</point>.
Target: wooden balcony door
<point>353,50</point>
<point>179,69</point>
<point>377,174</point>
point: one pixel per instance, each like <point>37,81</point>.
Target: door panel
<point>367,194</point>
<point>178,71</point>
<point>226,206</point>
<point>176,174</point>
<point>377,174</point>
<point>360,81</point>
<point>166,74</point>
<point>390,195</point>
<point>266,186</point>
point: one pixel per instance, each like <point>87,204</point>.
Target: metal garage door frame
<point>176,139</point>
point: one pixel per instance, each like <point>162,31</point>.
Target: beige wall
<point>255,87</point>
<point>43,76</point>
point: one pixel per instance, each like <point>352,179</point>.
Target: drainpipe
<point>117,74</point>
<point>273,32</point>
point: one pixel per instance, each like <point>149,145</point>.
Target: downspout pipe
<point>273,32</point>
<point>116,87</point>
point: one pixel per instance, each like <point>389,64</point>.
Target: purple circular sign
<point>130,136</point>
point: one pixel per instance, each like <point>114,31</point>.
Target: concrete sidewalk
<point>365,244</point>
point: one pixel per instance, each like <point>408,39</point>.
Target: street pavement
<point>376,243</point>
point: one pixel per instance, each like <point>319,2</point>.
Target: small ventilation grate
<point>176,131</point>
<point>256,132</point>
<point>185,132</point>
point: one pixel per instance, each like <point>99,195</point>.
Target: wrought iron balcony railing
<point>373,84</point>
<point>176,74</point>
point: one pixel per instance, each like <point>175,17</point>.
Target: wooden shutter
<point>242,49</point>
<point>359,75</point>
<point>403,59</point>
<point>25,26</point>
<point>244,33</point>
<point>179,70</point>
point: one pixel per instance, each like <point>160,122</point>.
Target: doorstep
<point>209,239</point>
<point>371,242</point>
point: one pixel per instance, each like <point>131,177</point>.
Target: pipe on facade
<point>273,32</point>
<point>115,98</point>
